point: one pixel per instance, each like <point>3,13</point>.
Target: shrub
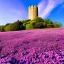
<point>38,25</point>
<point>8,28</point>
<point>29,26</point>
<point>1,28</point>
<point>15,26</point>
<point>38,19</point>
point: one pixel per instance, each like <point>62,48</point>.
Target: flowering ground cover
<point>41,46</point>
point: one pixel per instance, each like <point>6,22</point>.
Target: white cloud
<point>46,6</point>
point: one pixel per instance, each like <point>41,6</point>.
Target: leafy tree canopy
<point>38,22</point>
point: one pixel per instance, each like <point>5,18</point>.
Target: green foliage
<point>48,21</point>
<point>29,26</point>
<point>1,28</point>
<point>7,24</point>
<point>49,26</point>
<point>38,22</point>
<point>38,25</point>
<point>8,27</point>
<point>25,22</point>
<point>15,26</point>
<point>38,19</point>
<point>57,24</point>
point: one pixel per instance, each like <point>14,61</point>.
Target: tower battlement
<point>32,12</point>
<point>32,6</point>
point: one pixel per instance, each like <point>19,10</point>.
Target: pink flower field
<point>41,46</point>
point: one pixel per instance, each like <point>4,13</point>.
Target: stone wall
<point>32,12</point>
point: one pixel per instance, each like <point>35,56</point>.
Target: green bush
<point>15,26</point>
<point>57,24</point>
<point>38,19</point>
<point>1,28</point>
<point>8,27</point>
<point>38,25</point>
<point>29,26</point>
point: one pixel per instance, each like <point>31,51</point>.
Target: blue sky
<point>12,10</point>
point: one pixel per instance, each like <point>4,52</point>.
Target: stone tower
<point>32,12</point>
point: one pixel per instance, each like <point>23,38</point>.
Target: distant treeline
<point>37,23</point>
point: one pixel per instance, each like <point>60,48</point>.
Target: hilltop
<point>37,23</point>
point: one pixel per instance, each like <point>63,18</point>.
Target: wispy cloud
<point>46,6</point>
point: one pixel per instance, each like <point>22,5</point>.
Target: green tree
<point>25,22</point>
<point>38,24</point>
<point>38,19</point>
<point>29,25</point>
<point>57,24</point>
<point>18,25</point>
<point>1,28</point>
<point>7,24</point>
<point>8,27</point>
<point>48,23</point>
